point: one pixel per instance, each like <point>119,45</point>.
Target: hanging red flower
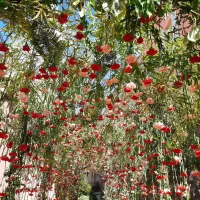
<point>3,194</point>
<point>128,69</point>
<point>99,49</point>
<point>3,48</point>
<point>53,76</point>
<point>197,153</point>
<point>140,40</point>
<point>25,90</point>
<point>65,72</point>
<point>79,36</point>
<point>42,132</point>
<point>166,129</point>
<point>128,37</point>
<point>147,81</point>
<point>23,147</point>
<point>160,177</point>
<point>183,174</point>
<point>80,27</point>
<point>66,84</point>
<point>72,61</point>
<point>93,76</point>
<point>147,19</point>
<point>62,19</point>
<point>194,146</point>
<point>53,69</point>
<point>195,59</point>
<point>2,67</point>
<point>178,84</point>
<point>177,150</point>
<point>9,145</point>
<point>151,52</point>
<point>3,135</point>
<point>26,48</point>
<point>84,70</point>
<point>96,67</point>
<point>42,70</point>
<point>115,66</point>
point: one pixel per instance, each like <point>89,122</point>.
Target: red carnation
<point>146,20</point>
<point>147,81</point>
<point>128,69</point>
<point>151,52</point>
<point>65,72</point>
<point>99,49</point>
<point>3,135</point>
<point>42,132</point>
<point>62,19</point>
<point>9,145</point>
<point>178,151</point>
<point>194,146</point>
<point>26,48</point>
<point>79,36</point>
<point>197,153</point>
<point>2,194</point>
<point>84,70</point>
<point>3,48</point>
<point>93,76</point>
<point>2,66</point>
<point>53,69</point>
<point>80,27</point>
<point>115,66</point>
<point>195,59</point>
<point>42,70</point>
<point>72,61</point>
<point>25,90</point>
<point>53,76</point>
<point>178,84</point>
<point>23,147</point>
<point>66,84</point>
<point>128,37</point>
<point>96,67</point>
<point>140,40</point>
<point>166,129</point>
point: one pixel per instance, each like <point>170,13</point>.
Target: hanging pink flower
<point>150,101</point>
<point>22,97</point>
<point>106,49</point>
<point>130,59</point>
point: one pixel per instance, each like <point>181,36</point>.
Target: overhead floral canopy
<point>109,86</point>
